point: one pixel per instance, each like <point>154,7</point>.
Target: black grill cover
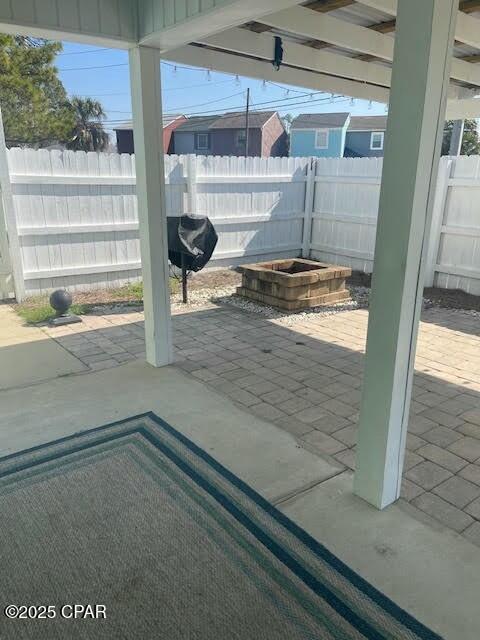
<point>194,237</point>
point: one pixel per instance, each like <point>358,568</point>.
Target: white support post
<point>308,212</point>
<point>12,258</point>
<point>192,184</point>
<point>438,214</point>
<point>421,69</point>
<point>150,174</point>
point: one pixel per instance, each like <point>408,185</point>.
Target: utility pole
<point>456,139</point>
<point>247,110</point>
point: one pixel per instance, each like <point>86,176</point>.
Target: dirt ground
<point>214,279</point>
<point>205,284</point>
<point>450,298</point>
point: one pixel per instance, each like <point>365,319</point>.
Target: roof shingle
<point>234,120</point>
<point>317,120</point>
<point>367,123</point>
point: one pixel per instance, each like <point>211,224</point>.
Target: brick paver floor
<point>306,378</point>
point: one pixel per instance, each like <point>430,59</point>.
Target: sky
<point>103,74</point>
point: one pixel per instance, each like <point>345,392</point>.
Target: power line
<point>275,101</point>
<point>102,95</point>
<point>208,117</point>
<point>106,66</point>
<point>77,53</point>
<point>201,104</point>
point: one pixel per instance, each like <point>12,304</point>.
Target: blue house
<point>319,134</point>
<point>365,137</point>
<point>337,135</point>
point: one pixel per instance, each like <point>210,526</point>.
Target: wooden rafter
<point>467,6</point>
<point>470,6</point>
<point>387,26</point>
<point>257,27</point>
<point>305,24</point>
<point>384,27</point>
<point>324,6</point>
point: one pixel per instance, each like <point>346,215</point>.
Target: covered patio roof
<point>338,46</point>
<point>422,62</point>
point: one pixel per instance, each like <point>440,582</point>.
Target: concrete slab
<point>28,356</point>
<point>430,571</point>
<point>263,455</point>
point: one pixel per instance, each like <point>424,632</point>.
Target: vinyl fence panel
<point>77,222</point>
<point>458,255</point>
<point>345,208</point>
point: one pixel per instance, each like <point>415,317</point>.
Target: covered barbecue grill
<point>191,242</point>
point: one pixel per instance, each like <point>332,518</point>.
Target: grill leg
<point>184,281</point>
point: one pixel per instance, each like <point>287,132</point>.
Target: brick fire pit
<point>294,284</point>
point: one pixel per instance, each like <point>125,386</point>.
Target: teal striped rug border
<point>390,607</point>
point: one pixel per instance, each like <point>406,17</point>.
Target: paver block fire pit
<point>294,284</point>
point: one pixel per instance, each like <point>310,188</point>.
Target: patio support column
<point>148,137</point>
<point>420,78</point>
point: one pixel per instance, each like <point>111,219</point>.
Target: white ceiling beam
<point>467,29</point>
<point>263,70</point>
<point>220,17</point>
<point>298,55</point>
<point>461,109</point>
<point>312,25</point>
<point>309,24</point>
<point>387,6</point>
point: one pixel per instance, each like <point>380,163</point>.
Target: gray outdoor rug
<point>134,517</point>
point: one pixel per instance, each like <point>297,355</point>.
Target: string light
<point>209,75</point>
<point>331,98</point>
<point>287,92</point>
<point>237,81</point>
<point>175,70</point>
<point>370,105</point>
<point>264,85</point>
<point>352,102</point>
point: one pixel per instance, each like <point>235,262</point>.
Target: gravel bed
<point>359,300</point>
<point>222,290</point>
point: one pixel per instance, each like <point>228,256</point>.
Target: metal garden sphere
<point>60,300</point>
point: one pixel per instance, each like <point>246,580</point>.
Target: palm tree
<point>88,133</point>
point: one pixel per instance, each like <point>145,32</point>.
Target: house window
<point>376,141</point>
<point>321,139</point>
<point>202,141</point>
<point>241,137</point>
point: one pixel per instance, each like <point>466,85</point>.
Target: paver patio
<point>306,378</point>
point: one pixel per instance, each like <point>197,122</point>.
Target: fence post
<point>308,209</point>
<point>8,220</point>
<point>192,183</point>
<point>438,213</point>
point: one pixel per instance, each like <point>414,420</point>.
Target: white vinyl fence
<point>74,215</point>
<point>345,218</point>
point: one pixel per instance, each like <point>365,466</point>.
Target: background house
<point>319,134</point>
<point>365,136</point>
<point>335,135</point>
<point>193,136</point>
<point>225,135</point>
<point>124,133</point>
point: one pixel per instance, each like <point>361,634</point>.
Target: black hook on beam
<point>277,53</point>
